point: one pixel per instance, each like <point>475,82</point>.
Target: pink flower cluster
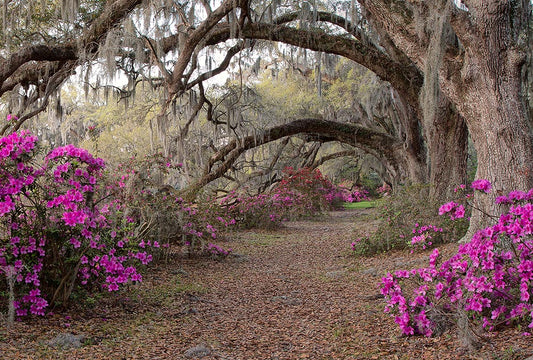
<point>217,250</point>
<point>355,195</point>
<point>11,117</point>
<point>490,278</point>
<point>354,244</point>
<point>83,155</point>
<point>422,235</point>
<point>457,211</point>
<point>384,190</point>
<point>481,185</point>
<point>60,219</point>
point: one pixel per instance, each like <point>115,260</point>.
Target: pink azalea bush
<point>161,215</point>
<point>203,224</point>
<point>315,190</point>
<point>355,195</point>
<point>317,193</point>
<point>218,251</point>
<point>260,211</point>
<point>384,190</point>
<point>301,193</point>
<point>58,229</point>
<point>489,279</point>
<point>423,235</point>
<point>348,192</point>
<point>406,206</point>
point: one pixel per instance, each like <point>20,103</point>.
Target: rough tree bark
<point>445,132</point>
<point>447,142</point>
<point>482,76</point>
<point>488,92</point>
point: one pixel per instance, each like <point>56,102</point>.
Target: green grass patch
<point>359,205</point>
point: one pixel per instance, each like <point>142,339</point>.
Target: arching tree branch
<point>384,147</point>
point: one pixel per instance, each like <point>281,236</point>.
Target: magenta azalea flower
<point>481,185</point>
<point>446,208</point>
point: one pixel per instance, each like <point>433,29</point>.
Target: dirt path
<point>294,293</point>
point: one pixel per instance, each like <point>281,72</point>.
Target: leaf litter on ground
<point>291,293</point>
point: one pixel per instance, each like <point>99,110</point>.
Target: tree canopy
<point>450,69</point>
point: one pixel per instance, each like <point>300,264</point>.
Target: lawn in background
<point>359,205</point>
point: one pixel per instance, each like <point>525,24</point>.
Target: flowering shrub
<point>423,235</point>
<point>260,211</point>
<point>204,223</point>
<point>57,230</point>
<point>217,251</point>
<point>384,190</point>
<point>301,193</point>
<point>356,195</point>
<point>355,245</point>
<point>159,214</point>
<point>489,279</point>
<point>314,190</point>
<point>400,211</point>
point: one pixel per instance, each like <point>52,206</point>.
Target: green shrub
<point>409,212</point>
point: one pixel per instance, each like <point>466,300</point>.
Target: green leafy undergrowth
<point>408,212</point>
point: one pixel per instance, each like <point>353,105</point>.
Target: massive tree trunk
<point>445,130</point>
<point>447,142</point>
<point>417,162</point>
<point>482,76</point>
<point>489,95</point>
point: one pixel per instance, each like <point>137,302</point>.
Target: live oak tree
<point>454,65</point>
<point>242,20</point>
<point>482,52</point>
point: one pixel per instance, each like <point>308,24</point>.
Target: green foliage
<point>353,85</point>
<point>117,135</point>
<point>289,96</point>
<point>403,212</point>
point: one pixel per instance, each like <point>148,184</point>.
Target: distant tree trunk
<point>416,157</point>
<point>444,130</point>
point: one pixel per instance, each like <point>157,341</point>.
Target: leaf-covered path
<point>294,293</point>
